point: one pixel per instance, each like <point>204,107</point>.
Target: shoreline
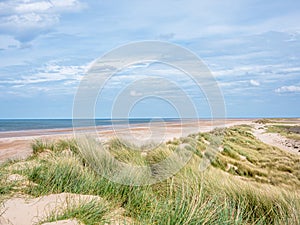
<point>17,145</point>
<point>70,130</point>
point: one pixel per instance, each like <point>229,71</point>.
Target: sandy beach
<point>17,144</point>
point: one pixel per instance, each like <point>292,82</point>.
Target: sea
<point>8,125</point>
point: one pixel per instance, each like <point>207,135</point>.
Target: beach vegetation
<point>289,131</point>
<point>248,181</point>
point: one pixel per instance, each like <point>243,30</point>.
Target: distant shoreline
<point>46,127</point>
<point>17,144</point>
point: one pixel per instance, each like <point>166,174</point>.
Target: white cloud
<point>288,89</point>
<point>38,6</point>
<point>242,70</point>
<point>70,5</point>
<point>134,93</point>
<point>26,19</point>
<point>268,73</point>
<point>51,79</point>
<point>254,83</point>
<point>50,73</point>
<point>33,7</point>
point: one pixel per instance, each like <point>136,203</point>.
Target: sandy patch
<point>22,211</point>
<point>14,149</point>
<point>64,222</point>
<point>15,178</point>
<point>275,139</point>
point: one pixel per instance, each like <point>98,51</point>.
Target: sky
<point>252,49</point>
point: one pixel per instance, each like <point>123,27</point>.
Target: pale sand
<point>17,145</point>
<point>274,139</point>
<point>28,211</point>
<point>63,222</point>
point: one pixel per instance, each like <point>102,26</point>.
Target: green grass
<point>261,188</point>
<point>278,121</point>
<point>291,132</point>
<point>40,145</point>
<point>257,161</point>
<point>264,121</point>
<point>92,212</point>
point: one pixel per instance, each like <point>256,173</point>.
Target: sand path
<point>275,139</point>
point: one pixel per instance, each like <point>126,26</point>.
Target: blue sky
<point>251,47</point>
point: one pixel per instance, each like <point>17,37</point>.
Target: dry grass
<point>291,132</point>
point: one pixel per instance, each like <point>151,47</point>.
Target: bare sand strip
<point>31,211</point>
<point>275,139</point>
<point>28,211</point>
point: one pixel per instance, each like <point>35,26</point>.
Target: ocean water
<point>40,124</point>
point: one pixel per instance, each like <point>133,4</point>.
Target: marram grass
<point>248,183</point>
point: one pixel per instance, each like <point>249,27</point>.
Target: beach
<point>17,144</point>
